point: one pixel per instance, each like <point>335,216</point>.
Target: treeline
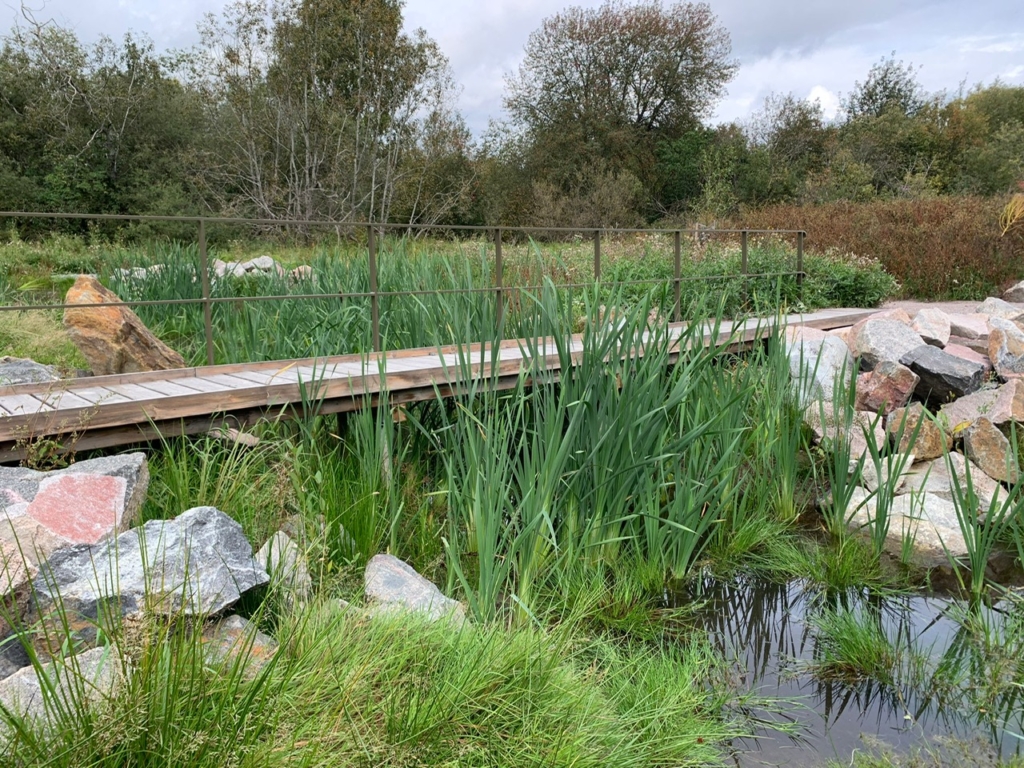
<point>327,109</point>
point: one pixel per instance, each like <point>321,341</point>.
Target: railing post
<point>678,253</point>
<point>597,255</point>
<point>204,279</point>
<point>800,261</point>
<point>371,251</point>
<point>499,280</point>
<point>744,263</point>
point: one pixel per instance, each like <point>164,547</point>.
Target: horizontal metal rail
<point>499,289</point>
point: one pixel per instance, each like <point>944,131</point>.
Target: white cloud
<point>814,47</point>
<point>829,101</point>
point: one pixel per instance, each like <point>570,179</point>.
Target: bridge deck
<point>106,411</point>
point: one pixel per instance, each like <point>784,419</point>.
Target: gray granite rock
<point>943,377</point>
<point>199,563</point>
<point>966,326</point>
<point>994,307</point>
<point>1006,347</point>
<point>16,370</point>
<point>1015,294</point>
<point>933,325</point>
<point>233,640</point>
<point>816,365</point>
<point>289,574</point>
<point>878,340</point>
<point>929,523</point>
<point>987,447</point>
<point>395,586</point>
<point>826,424</point>
<point>934,477</point>
<point>1000,405</point>
<point>89,679</point>
<point>870,475</point>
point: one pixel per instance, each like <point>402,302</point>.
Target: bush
<point>942,248</point>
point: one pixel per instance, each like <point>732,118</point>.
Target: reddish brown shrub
<point>948,247</point>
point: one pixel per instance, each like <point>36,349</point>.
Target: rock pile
<point>948,389</point>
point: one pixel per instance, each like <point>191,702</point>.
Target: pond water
<point>766,631</point>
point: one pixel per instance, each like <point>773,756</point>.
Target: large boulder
<point>113,339</point>
<point>816,365</point>
<point>999,405</point>
<point>933,326</point>
<point>928,523</point>
<point>1006,347</point>
<point>885,388</point>
<point>16,370</point>
<point>944,377</point>
<point>875,340</point>
<point>932,440</point>
<point>199,563</point>
<point>71,684</point>
<point>43,512</point>
<point>987,447</point>
<point>994,307</point>
<point>395,586</point>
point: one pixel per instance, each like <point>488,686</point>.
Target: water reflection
<point>949,681</point>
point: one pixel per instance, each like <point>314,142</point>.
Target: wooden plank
<point>100,395</point>
<point>18,405</point>
<point>64,400</point>
<point>139,393</point>
<point>203,385</point>
<point>156,388</point>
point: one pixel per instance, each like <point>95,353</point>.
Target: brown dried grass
<point>942,248</point>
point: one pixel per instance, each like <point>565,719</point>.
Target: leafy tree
<point>890,86</point>
<point>606,86</point>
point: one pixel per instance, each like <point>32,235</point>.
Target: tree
<point>317,104</point>
<point>602,87</point>
<point>890,86</point>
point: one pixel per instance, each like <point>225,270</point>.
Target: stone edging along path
<point>955,376</point>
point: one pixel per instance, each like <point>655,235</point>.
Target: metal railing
<point>494,234</point>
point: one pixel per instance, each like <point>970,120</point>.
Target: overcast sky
<point>812,48</point>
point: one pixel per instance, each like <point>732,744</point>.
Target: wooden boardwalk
<point>107,411</point>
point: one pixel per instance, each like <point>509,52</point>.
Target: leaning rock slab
<point>987,447</point>
<point>944,377</point>
<point>113,339</point>
<point>1006,347</point>
<point>17,370</point>
<point>888,387</point>
<point>817,364</point>
<point>932,440</point>
<point>929,521</point>
<point>89,679</point>
<point>878,340</point>
<point>933,326</point>
<point>394,585</point>
<point>199,563</point>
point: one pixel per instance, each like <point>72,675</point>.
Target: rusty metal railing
<point>499,288</point>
